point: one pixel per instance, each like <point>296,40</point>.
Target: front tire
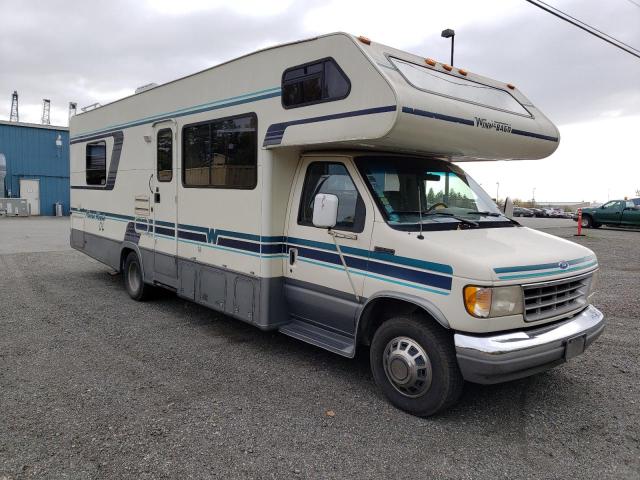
<point>587,221</point>
<point>413,362</point>
<point>133,279</point>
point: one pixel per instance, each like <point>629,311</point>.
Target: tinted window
<point>440,83</point>
<point>324,177</point>
<point>96,166</point>
<point>221,153</point>
<point>321,81</point>
<point>165,155</point>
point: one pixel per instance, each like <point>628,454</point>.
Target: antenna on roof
<point>14,107</point>
<point>146,87</point>
<point>46,111</point>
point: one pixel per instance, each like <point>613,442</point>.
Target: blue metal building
<point>39,153</point>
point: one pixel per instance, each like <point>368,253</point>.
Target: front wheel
<point>413,361</point>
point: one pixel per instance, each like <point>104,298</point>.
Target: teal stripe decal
<point>376,277</point>
<point>205,107</point>
<point>543,266</point>
<point>549,272</point>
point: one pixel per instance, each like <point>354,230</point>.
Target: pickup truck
<point>615,212</point>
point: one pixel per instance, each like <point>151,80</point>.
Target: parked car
<point>615,212</point>
<point>522,212</point>
<point>538,212</point>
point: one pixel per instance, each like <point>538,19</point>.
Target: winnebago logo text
<point>493,125</point>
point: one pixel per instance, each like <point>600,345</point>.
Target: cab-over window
<point>315,82</point>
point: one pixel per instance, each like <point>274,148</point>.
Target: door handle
<point>293,256</point>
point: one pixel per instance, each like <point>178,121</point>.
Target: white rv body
<point>244,251</point>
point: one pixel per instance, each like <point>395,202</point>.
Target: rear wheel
<point>133,279</point>
<point>587,221</point>
<point>413,362</point>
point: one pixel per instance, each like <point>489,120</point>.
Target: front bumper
<point>508,356</point>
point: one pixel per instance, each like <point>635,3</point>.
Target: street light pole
<point>533,197</point>
<point>497,191</point>
<point>449,33</point>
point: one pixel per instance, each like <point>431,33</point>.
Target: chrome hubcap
<point>133,277</point>
<point>407,367</point>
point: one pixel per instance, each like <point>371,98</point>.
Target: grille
<point>552,299</point>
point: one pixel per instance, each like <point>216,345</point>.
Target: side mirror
<point>508,208</point>
<point>325,210</point>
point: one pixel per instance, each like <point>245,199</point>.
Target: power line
<point>586,27</point>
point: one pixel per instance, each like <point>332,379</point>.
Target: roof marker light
<point>462,71</point>
<point>364,40</point>
<point>448,68</point>
<point>429,61</point>
<point>511,86</point>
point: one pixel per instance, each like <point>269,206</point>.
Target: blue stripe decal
<point>275,132</point>
<point>437,116</point>
<point>543,266</point>
<point>370,264</point>
<point>227,102</point>
<point>548,272</point>
<point>466,121</point>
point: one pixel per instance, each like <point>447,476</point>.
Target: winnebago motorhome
<point>309,188</point>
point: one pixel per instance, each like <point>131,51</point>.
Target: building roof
<point>34,125</point>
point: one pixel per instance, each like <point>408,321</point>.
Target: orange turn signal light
<point>462,71</point>
<point>429,61</point>
<point>448,68</point>
<point>511,86</point>
<point>364,40</point>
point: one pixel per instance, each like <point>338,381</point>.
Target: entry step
<point>334,342</point>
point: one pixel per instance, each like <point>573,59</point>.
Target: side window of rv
<point>165,155</point>
<point>221,154</point>
<point>326,177</point>
<point>316,82</point>
<point>96,166</point>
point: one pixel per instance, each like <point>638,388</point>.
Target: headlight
<point>484,302</point>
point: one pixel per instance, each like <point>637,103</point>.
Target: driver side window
<point>333,178</point>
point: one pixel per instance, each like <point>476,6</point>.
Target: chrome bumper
<point>508,356</point>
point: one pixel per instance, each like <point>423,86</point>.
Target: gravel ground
<point>95,385</point>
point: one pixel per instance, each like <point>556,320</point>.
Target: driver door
<point>610,213</point>
<point>317,287</point>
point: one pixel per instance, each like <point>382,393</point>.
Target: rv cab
<point>325,198</point>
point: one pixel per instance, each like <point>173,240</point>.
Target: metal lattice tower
<point>73,106</point>
<point>46,111</point>
<point>14,108</point>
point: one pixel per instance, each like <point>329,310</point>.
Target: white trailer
<point>310,188</point>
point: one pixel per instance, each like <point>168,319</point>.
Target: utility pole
<point>46,111</point>
<point>533,197</point>
<point>14,108</point>
<point>497,191</point>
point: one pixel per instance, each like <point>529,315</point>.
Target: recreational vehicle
<point>315,188</point>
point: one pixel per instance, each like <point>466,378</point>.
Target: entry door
<point>30,189</point>
<point>165,204</point>
<point>317,287</point>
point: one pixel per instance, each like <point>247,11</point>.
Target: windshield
<point>409,190</point>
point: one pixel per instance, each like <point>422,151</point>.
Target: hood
<point>510,255</point>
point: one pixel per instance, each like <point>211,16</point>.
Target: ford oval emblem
<point>563,265</point>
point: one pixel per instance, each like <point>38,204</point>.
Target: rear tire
<point>413,362</point>
<point>587,221</point>
<point>133,279</point>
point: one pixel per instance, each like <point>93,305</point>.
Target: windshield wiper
<point>487,213</point>
<point>460,219</point>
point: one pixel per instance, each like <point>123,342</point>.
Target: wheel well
<point>381,309</point>
<point>123,256</point>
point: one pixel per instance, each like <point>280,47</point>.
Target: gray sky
<point>98,51</point>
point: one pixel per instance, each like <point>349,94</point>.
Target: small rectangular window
<point>326,177</point>
<point>316,82</point>
<point>164,155</point>
<point>96,166</point>
<point>222,153</point>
